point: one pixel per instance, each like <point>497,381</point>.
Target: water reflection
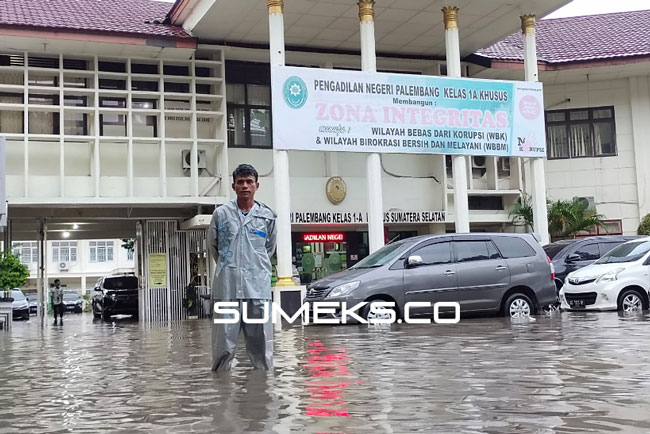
<point>563,372</point>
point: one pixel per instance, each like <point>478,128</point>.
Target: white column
<point>373,161</point>
<point>61,130</point>
<point>458,162</point>
<point>540,213</point>
<point>280,158</point>
<point>41,274</point>
<point>129,131</point>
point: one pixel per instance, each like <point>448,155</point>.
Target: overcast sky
<point>591,7</point>
<point>587,7</point>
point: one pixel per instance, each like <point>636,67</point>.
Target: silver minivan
<point>491,273</point>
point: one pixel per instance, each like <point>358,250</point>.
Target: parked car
<point>73,302</point>
<point>571,255</point>
<point>20,305</point>
<point>486,273</point>
<point>619,280</point>
<point>32,298</point>
<point>115,294</point>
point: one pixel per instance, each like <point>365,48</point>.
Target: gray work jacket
<point>242,248</point>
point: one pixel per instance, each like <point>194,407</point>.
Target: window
<point>112,124</point>
<point>606,247</point>
<point>75,123</point>
<point>64,251</point>
<point>588,252</point>
<point>581,133</point>
<point>27,251</point>
<point>105,83</point>
<point>467,251</point>
<point>514,247</point>
<point>437,253</point>
<point>610,227</point>
<point>129,255</point>
<point>101,251</point>
<point>249,115</point>
<point>494,203</point>
<point>248,93</point>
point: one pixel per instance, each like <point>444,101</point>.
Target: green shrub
<point>644,226</point>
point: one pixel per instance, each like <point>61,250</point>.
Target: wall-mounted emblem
<point>335,190</point>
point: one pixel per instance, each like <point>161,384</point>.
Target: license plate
<point>577,303</point>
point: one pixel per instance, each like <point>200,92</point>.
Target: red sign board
<point>327,236</point>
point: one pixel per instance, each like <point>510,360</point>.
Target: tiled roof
<point>134,17</point>
<point>582,38</point>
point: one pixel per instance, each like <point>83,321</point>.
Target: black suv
<point>116,294</point>
<point>571,255</point>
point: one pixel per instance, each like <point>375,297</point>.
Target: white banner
<point>328,110</point>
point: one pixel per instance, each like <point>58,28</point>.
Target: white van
<point>619,280</point>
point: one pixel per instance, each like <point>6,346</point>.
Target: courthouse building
<point>127,117</point>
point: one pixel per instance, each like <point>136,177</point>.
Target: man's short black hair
<point>56,280</point>
<point>244,170</point>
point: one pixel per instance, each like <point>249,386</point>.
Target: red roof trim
<point>103,37</point>
<point>545,66</point>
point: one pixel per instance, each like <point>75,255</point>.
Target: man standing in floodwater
<point>242,239</point>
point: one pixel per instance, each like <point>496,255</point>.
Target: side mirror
<point>414,261</point>
<point>574,257</point>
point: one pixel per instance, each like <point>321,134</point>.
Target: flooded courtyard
<point>565,372</point>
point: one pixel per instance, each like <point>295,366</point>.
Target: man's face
<point>245,187</point>
<point>57,284</point>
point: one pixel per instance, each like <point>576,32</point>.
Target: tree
<point>522,212</point>
<point>128,244</point>
<point>567,218</point>
<point>13,274</point>
<point>644,227</point>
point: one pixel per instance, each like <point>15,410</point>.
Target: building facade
<point>115,124</point>
<point>77,263</point>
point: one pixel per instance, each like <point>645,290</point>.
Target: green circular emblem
<point>295,92</point>
<point>308,263</point>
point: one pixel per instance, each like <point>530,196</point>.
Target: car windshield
<point>381,256</point>
<point>32,296</point>
<point>627,252</point>
<point>122,282</point>
<point>70,297</point>
<point>554,248</point>
<point>17,295</point>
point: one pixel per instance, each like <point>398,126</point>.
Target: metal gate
<point>180,259</point>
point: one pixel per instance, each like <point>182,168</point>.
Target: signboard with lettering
<point>157,270</point>
<point>343,217</point>
<point>325,237</point>
<point>329,110</point>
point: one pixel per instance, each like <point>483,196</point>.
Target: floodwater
<point>564,372</point>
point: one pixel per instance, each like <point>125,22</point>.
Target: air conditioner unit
<point>187,159</point>
<point>64,266</point>
<point>591,201</point>
<point>478,162</point>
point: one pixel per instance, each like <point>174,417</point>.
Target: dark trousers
<point>58,309</point>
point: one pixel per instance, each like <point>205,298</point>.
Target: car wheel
<point>379,313</point>
<point>518,305</point>
<point>630,301</point>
